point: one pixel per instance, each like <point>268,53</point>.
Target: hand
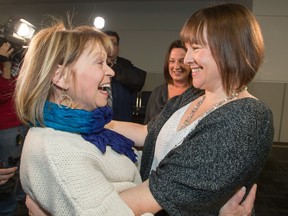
<point>6,174</point>
<point>233,206</point>
<point>6,50</point>
<point>34,209</point>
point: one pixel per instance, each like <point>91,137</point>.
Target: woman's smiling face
<point>91,76</point>
<point>203,66</point>
<point>177,69</point>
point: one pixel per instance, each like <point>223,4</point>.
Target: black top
<point>156,102</point>
<point>128,80</point>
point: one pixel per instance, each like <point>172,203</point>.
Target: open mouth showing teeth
<point>104,87</point>
<point>196,69</point>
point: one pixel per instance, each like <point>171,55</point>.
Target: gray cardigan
<point>227,149</point>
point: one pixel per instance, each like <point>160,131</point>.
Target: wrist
<point>6,70</point>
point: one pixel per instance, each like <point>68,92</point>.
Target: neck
<point>180,84</point>
<point>220,94</point>
<point>176,89</point>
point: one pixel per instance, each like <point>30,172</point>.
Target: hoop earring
<point>62,98</point>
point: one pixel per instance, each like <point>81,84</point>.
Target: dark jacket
<point>128,80</point>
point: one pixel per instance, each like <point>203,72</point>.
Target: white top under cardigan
<point>69,176</point>
<point>169,137</point>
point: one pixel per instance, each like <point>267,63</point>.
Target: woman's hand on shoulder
<point>234,207</point>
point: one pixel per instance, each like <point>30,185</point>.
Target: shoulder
<point>160,88</point>
<point>56,146</point>
<point>245,111</point>
<point>49,136</point>
<point>249,107</point>
<point>242,119</point>
<point>47,145</point>
<point>123,60</point>
<point>189,95</point>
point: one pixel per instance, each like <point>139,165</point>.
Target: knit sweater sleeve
<point>227,150</point>
<point>69,177</point>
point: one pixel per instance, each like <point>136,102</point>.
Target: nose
<point>109,72</point>
<point>177,64</point>
<point>188,59</point>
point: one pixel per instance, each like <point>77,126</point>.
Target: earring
<point>64,97</point>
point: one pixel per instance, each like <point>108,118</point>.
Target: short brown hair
<point>235,40</point>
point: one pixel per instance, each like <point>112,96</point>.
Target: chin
<point>102,104</point>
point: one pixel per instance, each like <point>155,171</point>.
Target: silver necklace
<point>196,107</point>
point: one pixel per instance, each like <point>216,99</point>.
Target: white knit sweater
<point>69,176</point>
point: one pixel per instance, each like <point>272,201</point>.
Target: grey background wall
<point>147,27</point>
<point>270,85</point>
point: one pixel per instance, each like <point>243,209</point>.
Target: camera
<point>17,32</point>
<point>12,161</point>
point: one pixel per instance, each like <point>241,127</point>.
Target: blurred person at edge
<point>128,80</point>
<point>12,134</point>
<point>177,77</point>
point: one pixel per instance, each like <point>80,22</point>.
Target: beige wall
<point>284,119</point>
<point>273,95</point>
<point>270,85</point>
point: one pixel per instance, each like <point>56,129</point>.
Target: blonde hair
<point>50,47</point>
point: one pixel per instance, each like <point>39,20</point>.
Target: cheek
<point>93,83</point>
<point>89,82</point>
<point>199,57</point>
<point>170,67</point>
<point>204,57</point>
<point>186,68</point>
<point>187,74</point>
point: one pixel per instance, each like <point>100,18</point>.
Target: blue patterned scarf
<point>90,125</point>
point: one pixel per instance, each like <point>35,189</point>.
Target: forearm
<point>133,131</point>
<point>6,51</point>
<point>6,70</point>
<point>140,199</point>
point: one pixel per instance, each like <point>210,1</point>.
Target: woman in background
<point>177,80</point>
